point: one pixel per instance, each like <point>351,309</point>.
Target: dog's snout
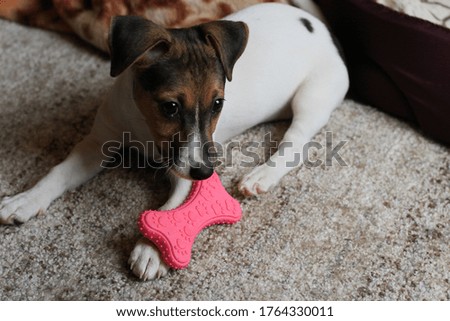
<point>200,171</point>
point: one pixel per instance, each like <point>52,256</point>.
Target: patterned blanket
<point>90,19</point>
<point>435,11</point>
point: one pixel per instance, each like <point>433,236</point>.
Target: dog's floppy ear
<point>130,37</point>
<point>228,38</point>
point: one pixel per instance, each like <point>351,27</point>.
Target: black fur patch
<point>308,25</point>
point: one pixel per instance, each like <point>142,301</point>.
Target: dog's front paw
<point>259,180</point>
<point>20,208</point>
<point>145,261</point>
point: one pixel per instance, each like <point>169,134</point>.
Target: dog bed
<point>398,63</point>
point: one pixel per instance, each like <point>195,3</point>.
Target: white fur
<point>285,70</point>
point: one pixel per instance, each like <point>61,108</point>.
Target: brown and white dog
<point>279,62</point>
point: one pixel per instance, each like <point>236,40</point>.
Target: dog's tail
<point>310,7</point>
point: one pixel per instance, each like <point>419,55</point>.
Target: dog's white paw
<point>259,180</point>
<point>145,261</point>
<point>20,208</point>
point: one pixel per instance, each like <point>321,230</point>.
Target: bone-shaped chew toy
<point>173,232</point>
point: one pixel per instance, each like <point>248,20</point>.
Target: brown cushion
<point>397,63</point>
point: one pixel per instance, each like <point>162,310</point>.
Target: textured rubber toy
<point>173,232</point>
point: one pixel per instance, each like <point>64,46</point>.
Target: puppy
<point>269,62</point>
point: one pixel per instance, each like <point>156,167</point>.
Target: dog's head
<point>178,83</point>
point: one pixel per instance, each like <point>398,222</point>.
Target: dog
<point>190,87</point>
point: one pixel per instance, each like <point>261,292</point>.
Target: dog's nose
<point>201,172</point>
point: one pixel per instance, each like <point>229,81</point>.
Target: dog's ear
<point>228,38</point>
<point>131,37</point>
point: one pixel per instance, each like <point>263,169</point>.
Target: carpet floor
<point>374,227</point>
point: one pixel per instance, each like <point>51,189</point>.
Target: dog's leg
<point>311,105</point>
<point>81,164</point>
<point>145,260</point>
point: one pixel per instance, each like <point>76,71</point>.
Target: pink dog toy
<point>174,231</point>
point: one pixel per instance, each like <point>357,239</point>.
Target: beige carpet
<point>377,229</point>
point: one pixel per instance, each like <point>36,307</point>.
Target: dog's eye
<point>170,109</point>
<point>218,105</point>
